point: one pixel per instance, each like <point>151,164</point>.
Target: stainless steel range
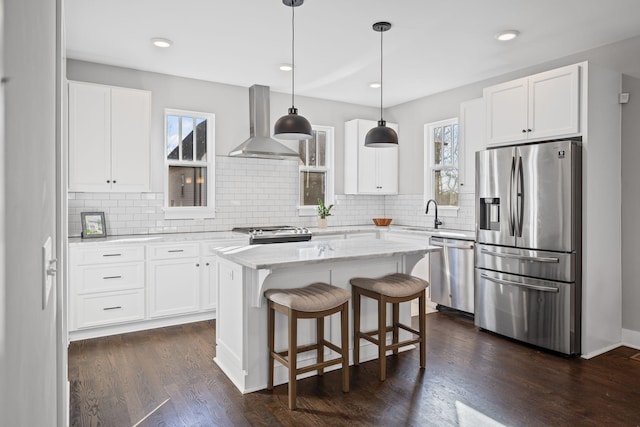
<point>275,234</point>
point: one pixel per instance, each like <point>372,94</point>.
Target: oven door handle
<point>520,284</point>
<point>521,257</point>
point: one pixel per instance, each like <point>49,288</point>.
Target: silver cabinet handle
<point>175,250</point>
<point>112,308</point>
<point>522,285</point>
<point>112,277</point>
<point>521,257</point>
<point>112,255</point>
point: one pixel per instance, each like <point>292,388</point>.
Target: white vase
<point>322,222</point>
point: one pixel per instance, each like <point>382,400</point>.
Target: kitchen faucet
<point>436,221</point>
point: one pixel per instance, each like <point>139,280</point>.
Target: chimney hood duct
<point>260,144</point>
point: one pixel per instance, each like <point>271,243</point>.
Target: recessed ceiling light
<point>507,35</point>
<point>286,67</point>
<point>159,42</point>
<point>374,85</point>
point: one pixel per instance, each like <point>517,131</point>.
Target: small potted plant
<point>323,213</point>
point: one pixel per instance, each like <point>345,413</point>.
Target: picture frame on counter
<point>93,225</point>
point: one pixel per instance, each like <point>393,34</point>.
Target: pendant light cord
<point>381,85</point>
<point>293,51</point>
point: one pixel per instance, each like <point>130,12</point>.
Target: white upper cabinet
<point>541,106</point>
<point>368,170</point>
<point>108,138</point>
<point>471,139</point>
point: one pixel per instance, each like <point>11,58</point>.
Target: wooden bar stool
<point>394,289</point>
<point>315,301</point>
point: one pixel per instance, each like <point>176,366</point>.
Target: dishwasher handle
<point>434,241</point>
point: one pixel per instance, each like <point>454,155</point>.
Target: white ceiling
<point>433,45</point>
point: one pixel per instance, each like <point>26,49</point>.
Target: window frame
<point>191,212</point>
<point>430,167</point>
<point>328,169</point>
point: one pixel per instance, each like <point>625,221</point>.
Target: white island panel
<point>241,346</point>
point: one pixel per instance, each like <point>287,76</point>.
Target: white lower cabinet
<point>107,286</point>
<point>209,283</point>
<point>109,308</point>
<point>174,286</point>
<point>122,288</point>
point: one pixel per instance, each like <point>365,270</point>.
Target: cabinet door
<point>377,167</point>
<point>89,137</point>
<point>368,170</point>
<point>130,114</point>
<point>554,103</point>
<point>209,283</point>
<point>471,139</point>
<point>367,160</point>
<point>174,286</point>
<point>387,167</point>
<point>506,109</point>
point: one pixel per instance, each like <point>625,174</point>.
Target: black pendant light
<point>292,126</point>
<point>381,135</point>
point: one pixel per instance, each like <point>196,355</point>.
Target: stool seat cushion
<point>394,285</point>
<point>315,297</point>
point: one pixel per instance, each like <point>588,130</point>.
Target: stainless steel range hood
<point>260,144</point>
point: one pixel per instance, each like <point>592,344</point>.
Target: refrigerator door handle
<point>519,197</point>
<point>520,284</point>
<point>521,257</point>
<point>512,178</point>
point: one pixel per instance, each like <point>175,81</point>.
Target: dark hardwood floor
<point>472,378</point>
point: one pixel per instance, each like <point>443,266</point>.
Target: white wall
<point>411,116</point>
<point>229,103</point>
<point>28,354</point>
<point>631,209</point>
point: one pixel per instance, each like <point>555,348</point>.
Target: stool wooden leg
<point>344,322</point>
<point>271,342</point>
<point>356,326</point>
<point>320,342</point>
<point>421,329</point>
<point>396,320</point>
<point>382,337</point>
<point>293,357</point>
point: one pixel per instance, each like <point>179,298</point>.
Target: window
<point>316,170</point>
<point>441,162</point>
<point>189,156</point>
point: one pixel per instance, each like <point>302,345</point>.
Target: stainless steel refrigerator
<point>528,252</point>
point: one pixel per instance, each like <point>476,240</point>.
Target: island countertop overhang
<point>284,255</point>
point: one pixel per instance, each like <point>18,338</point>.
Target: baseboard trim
<point>600,351</point>
<point>631,338</point>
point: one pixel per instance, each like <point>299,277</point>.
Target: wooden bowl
<point>382,222</point>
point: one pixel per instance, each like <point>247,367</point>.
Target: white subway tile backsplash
<point>254,192</point>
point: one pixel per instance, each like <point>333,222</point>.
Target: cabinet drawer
<point>110,277</point>
<point>117,307</point>
<point>181,250</point>
<point>109,254</point>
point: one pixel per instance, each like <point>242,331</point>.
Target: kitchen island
<point>245,272</point>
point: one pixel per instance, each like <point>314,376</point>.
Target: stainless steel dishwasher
<point>451,273</point>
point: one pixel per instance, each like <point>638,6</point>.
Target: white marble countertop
<point>229,235</point>
<point>159,238</point>
<point>300,253</point>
